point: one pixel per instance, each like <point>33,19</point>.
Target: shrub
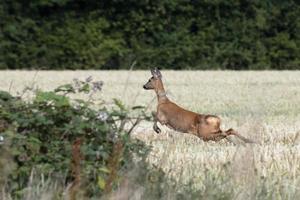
<point>74,140</point>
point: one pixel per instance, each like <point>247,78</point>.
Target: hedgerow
<point>172,34</point>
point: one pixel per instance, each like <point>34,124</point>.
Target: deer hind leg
<point>217,136</point>
<point>224,134</point>
<point>212,126</point>
<point>234,132</point>
<point>208,128</point>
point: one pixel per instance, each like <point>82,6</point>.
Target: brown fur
<point>206,127</point>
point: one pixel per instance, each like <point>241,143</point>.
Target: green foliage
<point>40,135</point>
<point>176,34</point>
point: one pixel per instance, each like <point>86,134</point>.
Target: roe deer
<point>206,127</point>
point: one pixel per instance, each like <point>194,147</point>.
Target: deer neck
<point>161,93</point>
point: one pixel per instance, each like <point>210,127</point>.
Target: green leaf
<point>101,183</point>
<point>85,88</point>
<point>138,107</point>
<point>52,97</point>
<point>5,96</point>
<point>104,169</point>
<point>68,88</point>
<point>119,104</point>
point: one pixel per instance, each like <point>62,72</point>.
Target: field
<point>263,106</point>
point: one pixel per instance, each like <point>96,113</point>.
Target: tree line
<point>171,34</point>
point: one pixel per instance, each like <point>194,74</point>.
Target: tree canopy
<point>171,34</point>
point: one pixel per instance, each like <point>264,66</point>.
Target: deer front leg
<point>155,127</point>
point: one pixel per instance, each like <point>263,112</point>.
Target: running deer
<point>206,127</point>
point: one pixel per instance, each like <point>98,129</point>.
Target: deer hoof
<point>156,129</point>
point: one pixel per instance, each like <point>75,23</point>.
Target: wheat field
<point>261,105</point>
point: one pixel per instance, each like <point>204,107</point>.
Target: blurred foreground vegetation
<point>174,34</point>
<point>63,140</point>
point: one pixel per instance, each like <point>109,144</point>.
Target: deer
<point>206,127</point>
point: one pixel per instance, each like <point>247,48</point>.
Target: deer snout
<point>147,87</point>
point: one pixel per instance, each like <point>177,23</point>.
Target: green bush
<point>67,139</point>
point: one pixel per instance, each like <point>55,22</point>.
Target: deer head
<point>154,81</point>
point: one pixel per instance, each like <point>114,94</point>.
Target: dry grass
<point>261,105</point>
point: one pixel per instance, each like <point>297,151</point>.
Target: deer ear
<point>156,73</point>
<point>153,72</point>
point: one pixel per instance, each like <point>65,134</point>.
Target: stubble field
<point>263,106</point>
